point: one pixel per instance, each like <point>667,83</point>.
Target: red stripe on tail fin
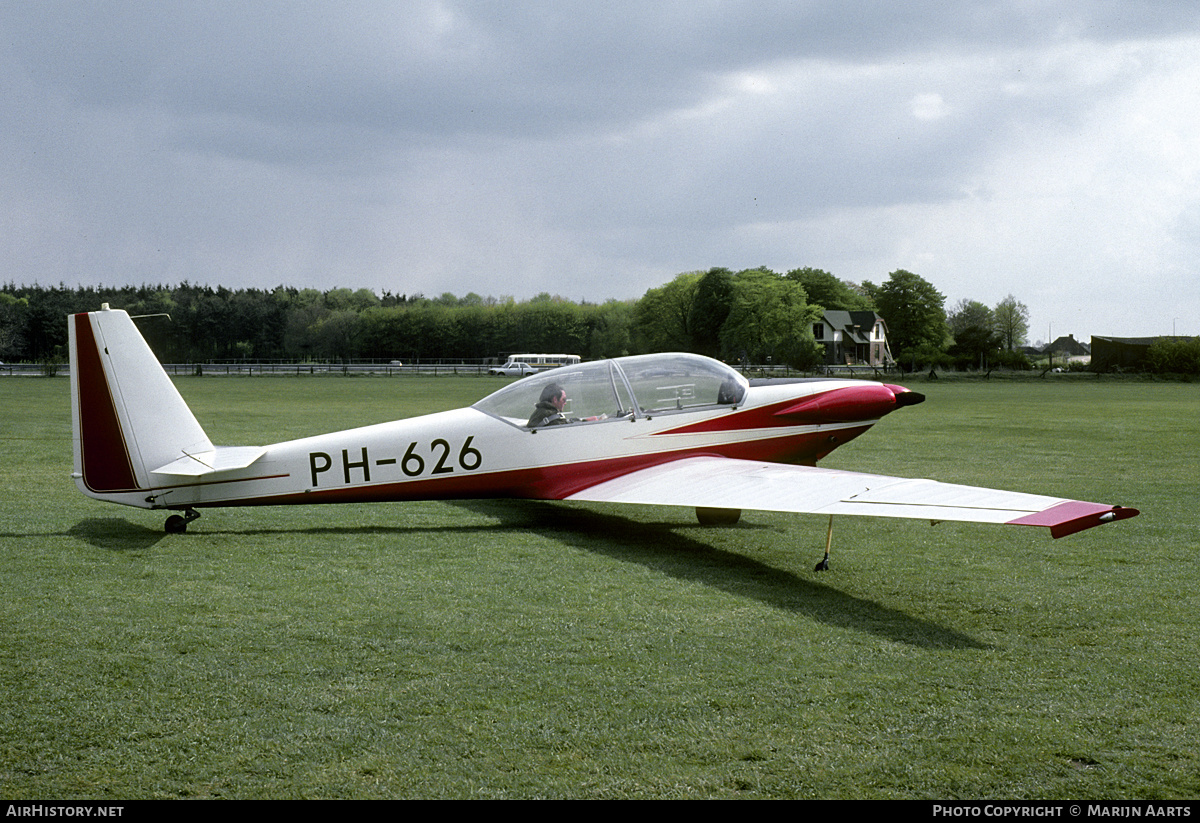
<point>104,455</point>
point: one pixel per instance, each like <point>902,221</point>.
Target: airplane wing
<point>719,482</point>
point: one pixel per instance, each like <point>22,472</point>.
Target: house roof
<point>1136,341</point>
<point>855,325</point>
<point>1069,345</point>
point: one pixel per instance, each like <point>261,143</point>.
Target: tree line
<point>752,316</point>
<point>219,324</point>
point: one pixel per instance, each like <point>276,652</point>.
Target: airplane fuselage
<point>466,453</point>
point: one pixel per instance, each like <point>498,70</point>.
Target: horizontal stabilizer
<point>219,459</point>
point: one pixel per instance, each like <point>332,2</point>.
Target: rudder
<point>128,419</point>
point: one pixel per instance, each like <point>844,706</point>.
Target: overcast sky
<point>1048,150</point>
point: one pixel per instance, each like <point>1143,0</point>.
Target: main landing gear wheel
<point>717,517</point>
<point>177,523</point>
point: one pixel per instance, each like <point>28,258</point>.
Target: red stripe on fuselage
<point>551,482</point>
<point>104,454</point>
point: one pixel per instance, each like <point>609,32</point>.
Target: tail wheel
<point>177,523</point>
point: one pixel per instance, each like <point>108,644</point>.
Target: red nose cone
<point>850,404</point>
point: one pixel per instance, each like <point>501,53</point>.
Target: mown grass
<point>523,649</point>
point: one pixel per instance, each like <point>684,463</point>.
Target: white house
<point>853,338</point>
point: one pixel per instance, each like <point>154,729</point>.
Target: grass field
<point>520,649</point>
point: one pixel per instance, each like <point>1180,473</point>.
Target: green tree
<point>1012,322</point>
<point>305,309</point>
<point>710,308</point>
<point>826,291</point>
<point>662,319</point>
<point>610,325</point>
<point>337,334</point>
<point>770,321</point>
<point>915,317</point>
<point>346,300</point>
<point>45,320</point>
<point>13,313</point>
<point>974,331</point>
<point>1175,355</point>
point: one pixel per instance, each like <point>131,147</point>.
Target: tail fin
<point>128,420</point>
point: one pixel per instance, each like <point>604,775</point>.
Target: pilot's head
<point>555,395</point>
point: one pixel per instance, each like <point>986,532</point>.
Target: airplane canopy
<point>641,385</point>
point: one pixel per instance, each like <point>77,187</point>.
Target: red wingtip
<point>1074,516</point>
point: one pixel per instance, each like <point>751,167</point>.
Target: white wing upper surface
<point>718,482</point>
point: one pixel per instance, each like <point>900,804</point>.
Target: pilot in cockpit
<point>549,408</point>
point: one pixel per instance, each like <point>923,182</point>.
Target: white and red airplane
<point>663,429</point>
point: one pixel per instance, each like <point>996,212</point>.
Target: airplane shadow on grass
<point>661,547</point>
<point>115,534</point>
<point>657,546</point>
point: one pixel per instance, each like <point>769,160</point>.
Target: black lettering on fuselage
<point>440,452</point>
<point>347,465</point>
<point>315,468</point>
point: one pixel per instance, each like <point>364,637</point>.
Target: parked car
<point>513,369</point>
